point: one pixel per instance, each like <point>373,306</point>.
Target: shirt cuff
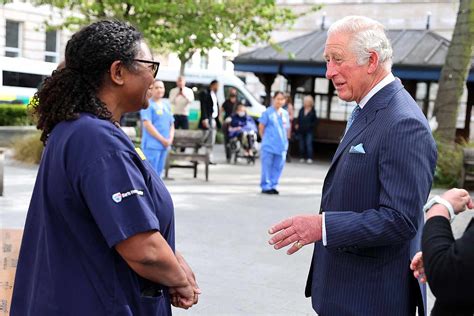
<point>324,229</point>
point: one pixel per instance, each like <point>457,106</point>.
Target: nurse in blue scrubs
<point>99,235</point>
<point>274,128</point>
<point>158,128</point>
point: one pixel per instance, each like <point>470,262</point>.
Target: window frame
<point>54,54</point>
<point>16,50</point>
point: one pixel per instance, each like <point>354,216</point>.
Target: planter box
<point>8,134</point>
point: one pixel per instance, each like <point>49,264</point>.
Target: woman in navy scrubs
<point>99,235</point>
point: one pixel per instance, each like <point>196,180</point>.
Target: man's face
<point>180,83</point>
<point>351,80</point>
<point>215,87</point>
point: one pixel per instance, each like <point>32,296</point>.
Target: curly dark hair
<point>88,57</point>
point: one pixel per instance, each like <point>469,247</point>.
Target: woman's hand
<point>182,297</point>
<point>418,267</point>
<point>166,142</point>
<point>190,276</point>
<point>459,199</point>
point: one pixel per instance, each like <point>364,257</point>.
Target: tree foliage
<point>185,26</point>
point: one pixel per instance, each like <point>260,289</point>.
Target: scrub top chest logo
<point>118,197</point>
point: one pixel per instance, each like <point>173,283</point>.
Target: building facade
<point>23,32</point>
<point>438,15</point>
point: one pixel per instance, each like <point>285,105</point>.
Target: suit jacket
<point>207,108</point>
<point>449,267</point>
<point>373,210</point>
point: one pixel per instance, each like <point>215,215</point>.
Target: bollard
<point>2,160</point>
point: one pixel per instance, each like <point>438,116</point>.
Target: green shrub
<point>28,149</point>
<point>14,115</point>
<point>448,168</point>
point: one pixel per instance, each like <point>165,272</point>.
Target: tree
<point>185,26</point>
<point>454,73</point>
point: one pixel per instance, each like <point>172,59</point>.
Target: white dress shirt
<point>180,102</point>
<point>215,109</point>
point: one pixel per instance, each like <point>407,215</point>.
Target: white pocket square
<point>358,149</point>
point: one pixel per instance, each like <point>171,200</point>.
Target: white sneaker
<point>302,160</point>
<point>309,161</point>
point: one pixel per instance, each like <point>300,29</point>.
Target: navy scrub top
<point>92,191</point>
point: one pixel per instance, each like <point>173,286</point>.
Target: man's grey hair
<point>366,35</point>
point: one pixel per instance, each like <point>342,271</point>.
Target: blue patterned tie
<point>352,118</point>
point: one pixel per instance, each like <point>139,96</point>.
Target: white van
<point>21,77</point>
<point>199,80</point>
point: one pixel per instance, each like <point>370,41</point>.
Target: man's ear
<point>116,72</point>
<point>373,62</point>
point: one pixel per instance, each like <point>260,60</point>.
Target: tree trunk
<point>184,58</point>
<point>181,67</point>
<point>454,72</point>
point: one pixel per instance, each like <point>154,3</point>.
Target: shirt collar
<point>385,81</point>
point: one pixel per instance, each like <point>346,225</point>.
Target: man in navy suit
<point>370,220</point>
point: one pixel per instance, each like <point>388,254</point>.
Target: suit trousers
<point>181,121</point>
<point>211,137</point>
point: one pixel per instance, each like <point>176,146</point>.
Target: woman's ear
<point>116,72</point>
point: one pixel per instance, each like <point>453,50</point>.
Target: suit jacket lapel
<point>379,101</point>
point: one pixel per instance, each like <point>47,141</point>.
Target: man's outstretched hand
<point>297,230</point>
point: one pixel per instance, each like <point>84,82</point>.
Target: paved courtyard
<point>221,229</point>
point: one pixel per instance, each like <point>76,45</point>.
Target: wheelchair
<point>242,146</point>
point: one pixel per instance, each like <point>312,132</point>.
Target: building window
<point>12,39</point>
<point>52,47</point>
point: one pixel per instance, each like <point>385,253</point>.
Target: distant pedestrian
<point>288,106</point>
<point>274,128</point>
<point>158,128</point>
<point>209,120</point>
<point>181,98</point>
<point>227,109</point>
<point>304,129</point>
<point>229,106</point>
<point>243,127</point>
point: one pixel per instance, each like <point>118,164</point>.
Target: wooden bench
<point>467,174</point>
<point>191,140</point>
<point>2,161</point>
